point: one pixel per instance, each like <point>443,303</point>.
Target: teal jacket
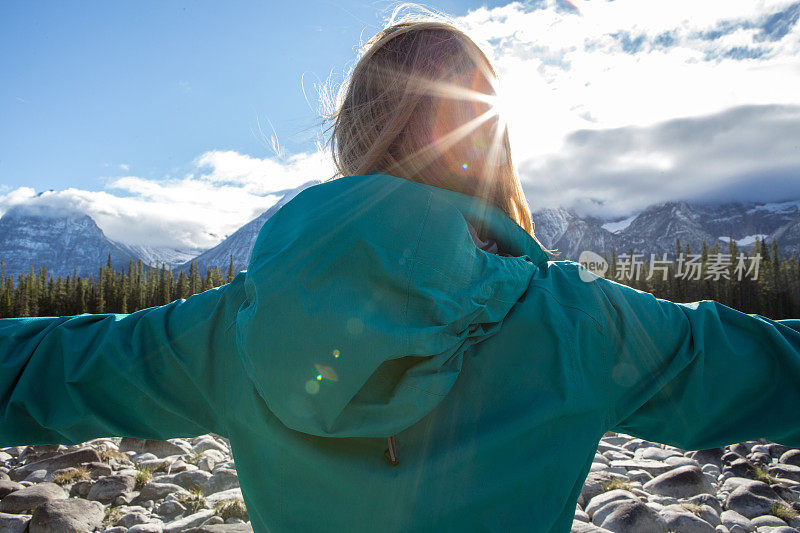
<point>368,312</point>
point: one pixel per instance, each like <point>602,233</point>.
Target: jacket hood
<point>362,295</point>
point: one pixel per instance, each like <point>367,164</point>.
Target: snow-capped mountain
<point>158,255</point>
<point>241,242</point>
<point>62,241</point>
<point>71,241</point>
<point>655,229</point>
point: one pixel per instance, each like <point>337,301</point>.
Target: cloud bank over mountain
<point>197,210</point>
<point>614,106</point>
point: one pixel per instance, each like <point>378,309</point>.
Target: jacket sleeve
<point>699,375</point>
<point>158,373</point>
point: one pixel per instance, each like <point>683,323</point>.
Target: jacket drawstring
<point>391,452</point>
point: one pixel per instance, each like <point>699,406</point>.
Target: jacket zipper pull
<point>391,452</point>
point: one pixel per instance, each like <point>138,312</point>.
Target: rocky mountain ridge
<point>67,242</point>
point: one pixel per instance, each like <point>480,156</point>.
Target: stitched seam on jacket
<point>611,410</point>
<point>599,325</point>
<point>379,373</point>
<point>411,271</point>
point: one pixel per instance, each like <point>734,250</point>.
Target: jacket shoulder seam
<point>562,304</point>
<point>411,270</point>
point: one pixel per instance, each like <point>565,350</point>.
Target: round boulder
<point>63,516</point>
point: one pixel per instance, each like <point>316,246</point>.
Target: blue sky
<point>146,115</point>
<point>98,89</point>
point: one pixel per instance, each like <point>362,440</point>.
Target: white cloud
<point>630,62</point>
<point>226,190</point>
<point>597,98</point>
<point>638,65</point>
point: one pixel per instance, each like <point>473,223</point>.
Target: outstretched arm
<point>158,373</point>
<point>699,375</point>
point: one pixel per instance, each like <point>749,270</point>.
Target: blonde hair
<point>411,108</point>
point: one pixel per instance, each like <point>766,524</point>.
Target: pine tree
<point>231,271</point>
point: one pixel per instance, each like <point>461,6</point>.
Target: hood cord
<point>391,452</point>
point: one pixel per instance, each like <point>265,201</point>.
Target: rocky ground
<point>120,485</point>
<point>636,486</point>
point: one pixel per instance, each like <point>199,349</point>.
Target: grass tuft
<point>615,483</point>
<point>143,475</point>
<point>193,500</point>
<point>112,516</point>
<point>72,475</point>
<point>231,508</point>
<point>693,508</point>
<point>762,475</point>
<point>783,511</point>
<point>195,457</point>
<point>107,454</point>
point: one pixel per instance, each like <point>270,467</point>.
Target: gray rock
<point>222,479</point>
<point>777,450</point>
<point>132,519</point>
<point>577,527</point>
<point>678,519</point>
<point>790,457</point>
<point>192,520</point>
<point>740,467</point>
<point>217,455</point>
<point>711,455</point>
<point>751,500</point>
<point>97,469</point>
<point>656,468</point>
<point>706,499</point>
<point>209,443</point>
<point>601,500</point>
<point>213,521</point>
<point>155,464</point>
<point>75,459</point>
<point>139,458</point>
<point>212,499</point>
<point>634,517</point>
<point>107,488</point>
<point>767,520</point>
<point>156,491</point>
<point>787,493</point>
<point>65,516</point>
<point>207,464</point>
<point>15,451</point>
<point>732,483</point>
<point>642,476</point>
<point>682,482</point>
<point>37,476</point>
<point>181,466</point>
<point>616,455</point>
<point>592,486</point>
<point>125,498</point>
<point>732,518</point>
<point>31,497</point>
<point>150,527</point>
<point>14,523</point>
<point>115,530</point>
<point>192,478</point>
<point>679,460</point>
<point>80,489</point>
<point>170,509</point>
<point>158,448</point>
<point>7,487</point>
<point>785,471</point>
<point>245,528</point>
<point>655,454</point>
